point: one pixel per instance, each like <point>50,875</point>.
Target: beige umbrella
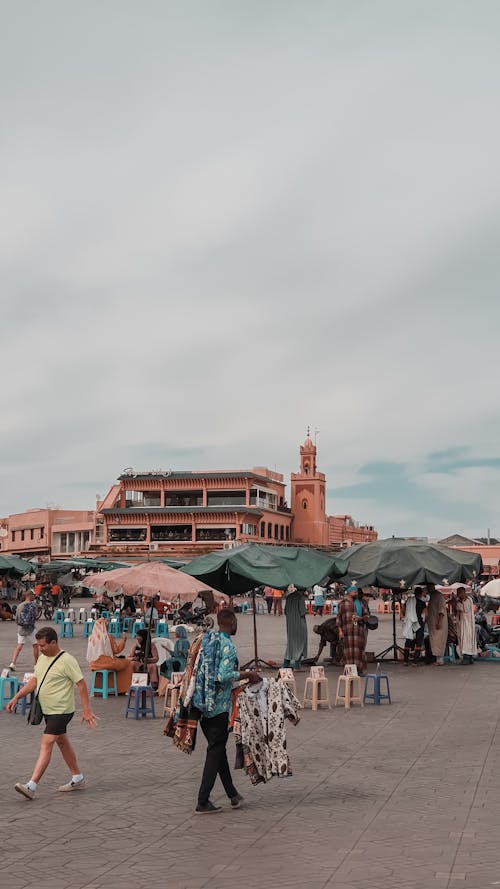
<point>152,579</point>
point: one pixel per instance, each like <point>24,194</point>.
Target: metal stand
<point>393,650</point>
<point>256,663</point>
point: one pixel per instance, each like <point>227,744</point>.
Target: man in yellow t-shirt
<point>56,674</point>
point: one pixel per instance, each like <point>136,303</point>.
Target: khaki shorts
<point>27,640</point>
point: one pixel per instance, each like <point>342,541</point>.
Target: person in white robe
<point>467,639</point>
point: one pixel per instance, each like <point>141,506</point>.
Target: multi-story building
<point>170,513</point>
<point>47,532</point>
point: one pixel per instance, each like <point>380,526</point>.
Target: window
<point>304,504</point>
<point>262,529</point>
<point>287,532</point>
<point>248,529</point>
<point>269,530</point>
<point>137,499</point>
<point>42,535</point>
<point>184,498</point>
<point>22,535</point>
<point>276,532</point>
<point>282,532</point>
<point>171,532</point>
<point>215,534</point>
<point>126,535</point>
<point>263,499</point>
<point>226,498</point>
<point>32,533</point>
<point>13,536</point>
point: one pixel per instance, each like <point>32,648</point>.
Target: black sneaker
<point>207,809</point>
<point>236,801</point>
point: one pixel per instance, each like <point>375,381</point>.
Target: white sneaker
<point>12,667</point>
<point>24,790</point>
<point>72,785</point>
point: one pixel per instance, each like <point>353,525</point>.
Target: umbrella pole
<point>256,663</point>
<point>394,649</point>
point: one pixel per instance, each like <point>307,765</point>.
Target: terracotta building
<point>47,532</point>
<point>189,513</point>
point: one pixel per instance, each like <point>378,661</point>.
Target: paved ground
<point>401,796</point>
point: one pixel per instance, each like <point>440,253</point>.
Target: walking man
<point>59,672</point>
<point>25,619</point>
<point>217,670</point>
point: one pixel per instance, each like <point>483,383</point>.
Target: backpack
<point>24,616</point>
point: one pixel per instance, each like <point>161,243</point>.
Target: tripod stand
<point>255,663</point>
<point>394,649</point>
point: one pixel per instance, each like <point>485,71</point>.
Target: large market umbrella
<point>250,565</point>
<point>395,564</point>
<point>152,579</point>
<point>245,567</point>
<point>16,564</point>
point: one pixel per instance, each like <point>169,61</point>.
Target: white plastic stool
<point>82,616</point>
<point>71,615</point>
<point>349,691</point>
<point>316,693</point>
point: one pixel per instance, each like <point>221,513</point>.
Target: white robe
<point>467,642</point>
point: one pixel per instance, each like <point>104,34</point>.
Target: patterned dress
<point>355,633</point>
<point>263,710</point>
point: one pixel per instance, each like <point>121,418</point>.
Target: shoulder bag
<point>35,714</point>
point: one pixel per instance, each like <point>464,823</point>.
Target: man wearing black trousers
<point>217,670</point>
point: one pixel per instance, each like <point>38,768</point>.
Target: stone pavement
<point>404,796</point>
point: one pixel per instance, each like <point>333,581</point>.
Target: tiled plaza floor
<point>390,797</point>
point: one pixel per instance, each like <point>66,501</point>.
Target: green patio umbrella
<point>243,568</point>
<point>395,563</point>
<point>15,563</point>
<point>398,564</point>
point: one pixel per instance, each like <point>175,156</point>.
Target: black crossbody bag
<point>35,714</point>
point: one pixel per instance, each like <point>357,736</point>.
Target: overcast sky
<point>223,221</point>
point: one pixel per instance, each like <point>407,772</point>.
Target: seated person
<point>128,609</point>
<point>177,662</point>
<point>6,612</point>
<point>103,651</point>
<point>143,654</point>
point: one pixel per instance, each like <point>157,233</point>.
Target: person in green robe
<point>296,628</point>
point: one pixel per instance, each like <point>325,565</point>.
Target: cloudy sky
<point>222,221</point>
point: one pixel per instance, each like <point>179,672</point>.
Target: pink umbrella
<point>152,579</point>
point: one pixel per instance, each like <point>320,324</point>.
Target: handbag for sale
<point>35,714</point>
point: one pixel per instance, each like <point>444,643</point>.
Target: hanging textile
<point>260,729</point>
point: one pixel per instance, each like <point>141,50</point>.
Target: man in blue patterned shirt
<point>217,670</point>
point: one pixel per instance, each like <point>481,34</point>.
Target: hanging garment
<point>263,709</point>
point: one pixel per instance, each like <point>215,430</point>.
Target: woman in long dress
<point>352,616</point>
<point>296,628</point>
<point>102,654</point>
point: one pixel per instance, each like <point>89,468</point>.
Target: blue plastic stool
<point>67,629</point>
<point>138,625</point>
<point>450,655</point>
<point>87,628</point>
<point>105,614</point>
<point>137,701</point>
<point>106,687</point>
<point>23,703</point>
<point>377,695</point>
<point>114,628</point>
<point>6,696</point>
<point>162,629</point>
<point>127,623</point>
<point>59,616</point>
